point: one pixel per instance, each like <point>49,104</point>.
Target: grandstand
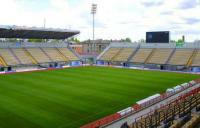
<point>176,114</point>
<point>35,54</point>
<point>17,56</point>
<point>165,55</point>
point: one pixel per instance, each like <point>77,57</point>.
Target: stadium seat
<point>196,60</point>
<point>22,56</point>
<point>141,55</point>
<point>160,56</point>
<point>68,54</point>
<point>8,57</point>
<point>165,117</point>
<point>123,55</point>
<point>54,54</point>
<point>110,53</point>
<point>181,57</point>
<point>39,55</point>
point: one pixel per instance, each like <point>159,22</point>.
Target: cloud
<point>187,32</point>
<point>115,19</point>
<point>152,3</point>
<point>192,21</point>
<point>167,13</point>
<point>188,4</point>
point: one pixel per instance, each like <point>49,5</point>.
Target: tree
<point>36,40</point>
<point>128,40</point>
<point>12,40</point>
<point>125,40</point>
<point>76,40</point>
<point>172,41</point>
<point>142,41</point>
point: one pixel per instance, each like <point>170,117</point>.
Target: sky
<point>115,19</point>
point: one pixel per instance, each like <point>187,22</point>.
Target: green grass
<point>72,97</point>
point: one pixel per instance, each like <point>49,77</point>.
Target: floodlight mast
<point>44,21</point>
<point>45,40</point>
<point>93,12</point>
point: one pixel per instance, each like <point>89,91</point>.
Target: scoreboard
<point>158,37</point>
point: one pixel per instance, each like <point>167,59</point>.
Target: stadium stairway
<point>193,122</point>
<point>46,54</point>
<point>53,54</point>
<point>8,57</point>
<point>196,59</point>
<point>63,56</point>
<point>133,54</point>
<point>34,61</point>
<point>170,56</point>
<point>141,55</point>
<point>104,51</point>
<point>72,51</point>
<point>160,56</point>
<point>15,56</point>
<point>69,54</point>
<point>181,57</point>
<point>22,56</point>
<point>189,63</point>
<point>110,54</point>
<point>120,50</point>
<point>150,55</point>
<point>2,62</point>
<point>38,54</point>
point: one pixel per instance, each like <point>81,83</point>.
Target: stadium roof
<point>35,32</point>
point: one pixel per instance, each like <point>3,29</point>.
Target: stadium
<point>136,73</point>
<point>130,85</point>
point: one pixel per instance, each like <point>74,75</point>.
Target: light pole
<point>44,21</point>
<point>93,12</point>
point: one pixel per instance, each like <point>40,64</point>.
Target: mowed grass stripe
<point>51,88</point>
<point>72,97</point>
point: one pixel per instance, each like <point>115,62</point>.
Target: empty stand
<point>30,56</point>
<point>196,59</point>
<point>141,55</point>
<point>195,51</point>
<point>54,54</point>
<point>110,53</point>
<point>123,55</point>
<point>22,56</point>
<point>68,54</point>
<point>160,56</point>
<point>2,62</point>
<point>38,55</point>
<point>34,55</point>
<point>181,57</point>
<point>150,55</point>
<point>8,57</point>
<point>172,56</point>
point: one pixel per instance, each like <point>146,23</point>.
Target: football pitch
<point>72,97</point>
